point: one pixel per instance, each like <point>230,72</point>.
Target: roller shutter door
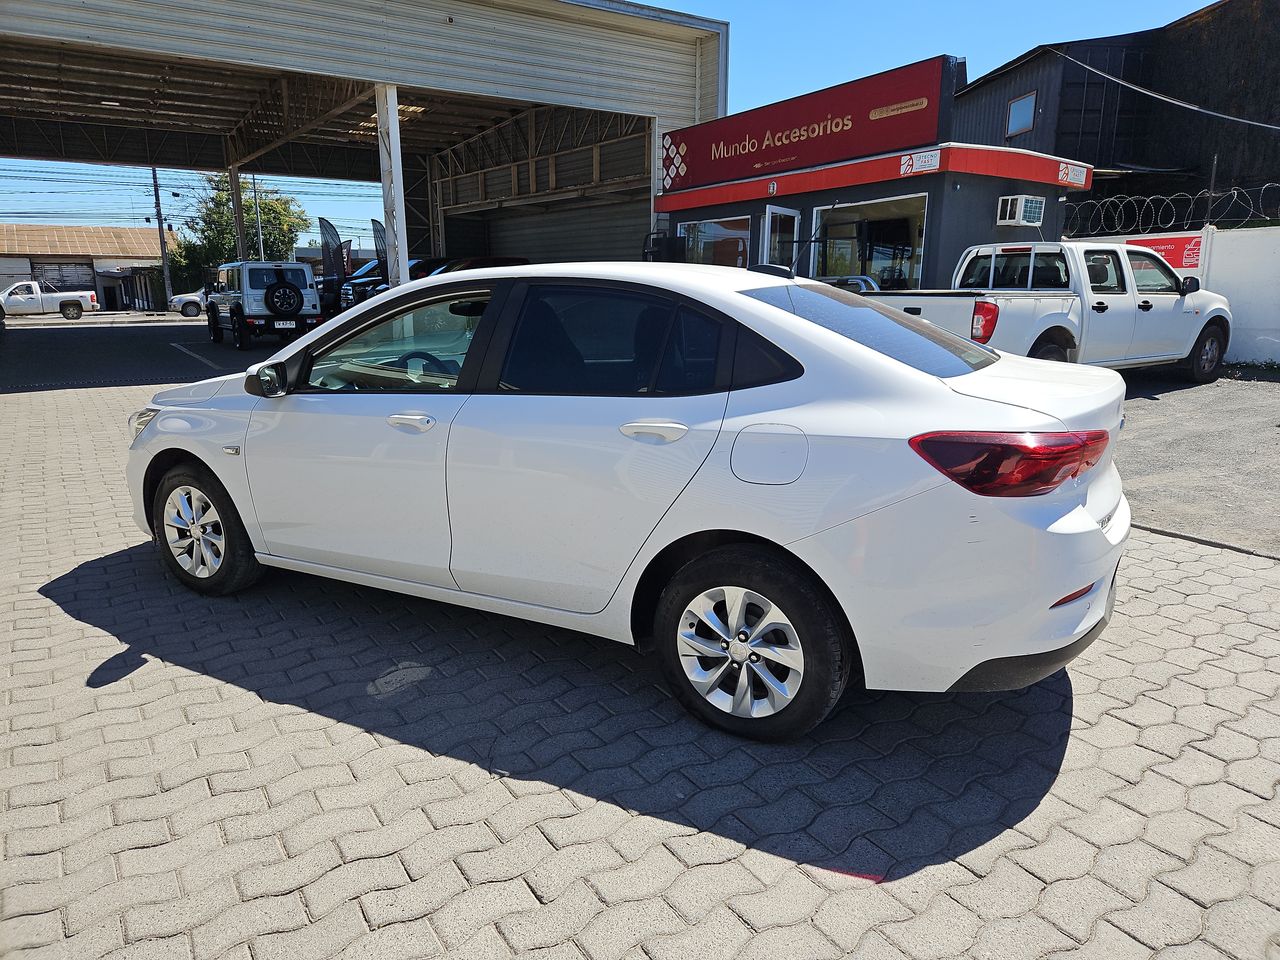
<point>611,232</point>
<point>65,276</point>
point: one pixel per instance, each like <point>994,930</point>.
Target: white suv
<point>251,298</point>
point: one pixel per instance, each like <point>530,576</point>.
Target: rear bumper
<point>1014,673</point>
<point>942,584</point>
<point>298,324</point>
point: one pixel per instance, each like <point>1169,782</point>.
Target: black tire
<point>1204,362</point>
<point>830,655</point>
<point>283,299</point>
<point>240,335</point>
<point>215,324</point>
<point>1048,350</point>
<point>238,568</point>
<point>191,309</point>
<point>71,310</point>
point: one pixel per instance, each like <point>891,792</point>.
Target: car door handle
<point>418,421</point>
<point>1145,305</point>
<point>654,431</point>
<point>1100,307</point>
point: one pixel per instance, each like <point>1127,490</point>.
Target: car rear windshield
<point>1014,271</point>
<point>900,336</point>
<point>262,277</point>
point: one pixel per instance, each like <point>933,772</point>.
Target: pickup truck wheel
<point>1049,351</point>
<point>1204,363</point>
<point>72,310</point>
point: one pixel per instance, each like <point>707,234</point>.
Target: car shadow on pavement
<point>889,784</point>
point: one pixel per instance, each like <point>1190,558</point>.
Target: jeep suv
<point>252,298</point>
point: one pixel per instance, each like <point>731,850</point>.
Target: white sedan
<point>773,486</point>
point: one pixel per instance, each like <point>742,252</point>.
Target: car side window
<point>1105,273</point>
<point>420,350</point>
<point>597,341</point>
<point>1150,275</point>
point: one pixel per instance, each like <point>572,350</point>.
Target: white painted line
<point>193,354</point>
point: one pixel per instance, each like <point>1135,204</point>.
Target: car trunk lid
<point>1080,397</point>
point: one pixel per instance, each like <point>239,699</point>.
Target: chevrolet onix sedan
<point>772,486</point>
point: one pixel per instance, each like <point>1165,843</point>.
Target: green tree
<point>207,237</point>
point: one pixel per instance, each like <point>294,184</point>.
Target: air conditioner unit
<point>1020,211</point>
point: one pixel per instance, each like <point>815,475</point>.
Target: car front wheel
<point>750,643</point>
<point>198,531</point>
<point>1204,363</point>
<point>190,310</point>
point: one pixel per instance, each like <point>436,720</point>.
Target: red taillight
<point>93,298</point>
<point>1072,596</point>
<point>1011,464</point>
<point>985,315</point>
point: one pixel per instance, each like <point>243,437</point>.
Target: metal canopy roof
<point>70,102</point>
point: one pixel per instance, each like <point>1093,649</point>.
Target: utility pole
<point>164,244</point>
<point>257,210</point>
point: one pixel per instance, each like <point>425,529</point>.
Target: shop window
<point>723,243</point>
<point>1022,115</point>
<point>883,240</point>
<point>781,233</point>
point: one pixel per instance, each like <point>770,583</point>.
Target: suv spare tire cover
<point>283,298</point>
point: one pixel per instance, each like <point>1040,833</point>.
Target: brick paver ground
<point>313,769</point>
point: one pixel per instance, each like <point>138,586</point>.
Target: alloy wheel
<point>740,652</point>
<point>1209,354</point>
<point>193,531</point>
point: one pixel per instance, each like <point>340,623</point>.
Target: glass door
<point>781,236</point>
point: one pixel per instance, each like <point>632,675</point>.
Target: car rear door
<point>597,405</point>
<point>348,470</point>
<point>1109,307</point>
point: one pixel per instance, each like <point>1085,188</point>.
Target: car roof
<point>691,278</point>
<point>263,263</point>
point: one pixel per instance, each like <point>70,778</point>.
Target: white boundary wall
<point>1243,265</point>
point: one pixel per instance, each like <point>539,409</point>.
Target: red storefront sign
<point>1182,252</point>
<point>880,114</point>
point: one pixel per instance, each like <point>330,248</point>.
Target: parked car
<point>773,487</point>
<point>188,304</point>
<point>477,263</point>
<point>253,298</point>
<point>367,281</point>
<point>1109,304</point>
<point>35,296</point>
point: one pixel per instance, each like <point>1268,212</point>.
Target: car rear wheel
<point>240,333</point>
<point>72,311</point>
<point>191,310</point>
<point>1204,363</point>
<point>751,644</point>
<point>201,538</point>
<point>1049,351</point>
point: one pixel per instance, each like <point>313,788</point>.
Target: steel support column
<point>392,183</point>
<point>237,211</point>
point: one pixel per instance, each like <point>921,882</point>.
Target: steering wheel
<point>430,359</point>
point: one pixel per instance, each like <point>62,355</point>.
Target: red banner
<point>879,114</point>
<point>1181,253</point>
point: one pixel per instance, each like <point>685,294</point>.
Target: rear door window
<point>1106,275</point>
<point>262,277</point>
<point>899,336</point>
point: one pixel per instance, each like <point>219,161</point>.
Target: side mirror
<point>1190,285</point>
<point>266,380</point>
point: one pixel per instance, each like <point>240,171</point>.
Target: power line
<point>1168,99</point>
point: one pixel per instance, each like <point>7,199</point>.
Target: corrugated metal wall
<point>535,50</point>
<point>609,232</point>
<point>980,115</point>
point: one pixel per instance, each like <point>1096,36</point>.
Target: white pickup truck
<point>1109,304</point>
<point>33,296</point>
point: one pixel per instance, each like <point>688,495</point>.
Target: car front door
<point>598,404</point>
<point>1164,319</point>
<point>1109,308</point>
<point>22,299</point>
<point>348,470</point>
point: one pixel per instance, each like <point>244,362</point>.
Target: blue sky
<point>776,50</point>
